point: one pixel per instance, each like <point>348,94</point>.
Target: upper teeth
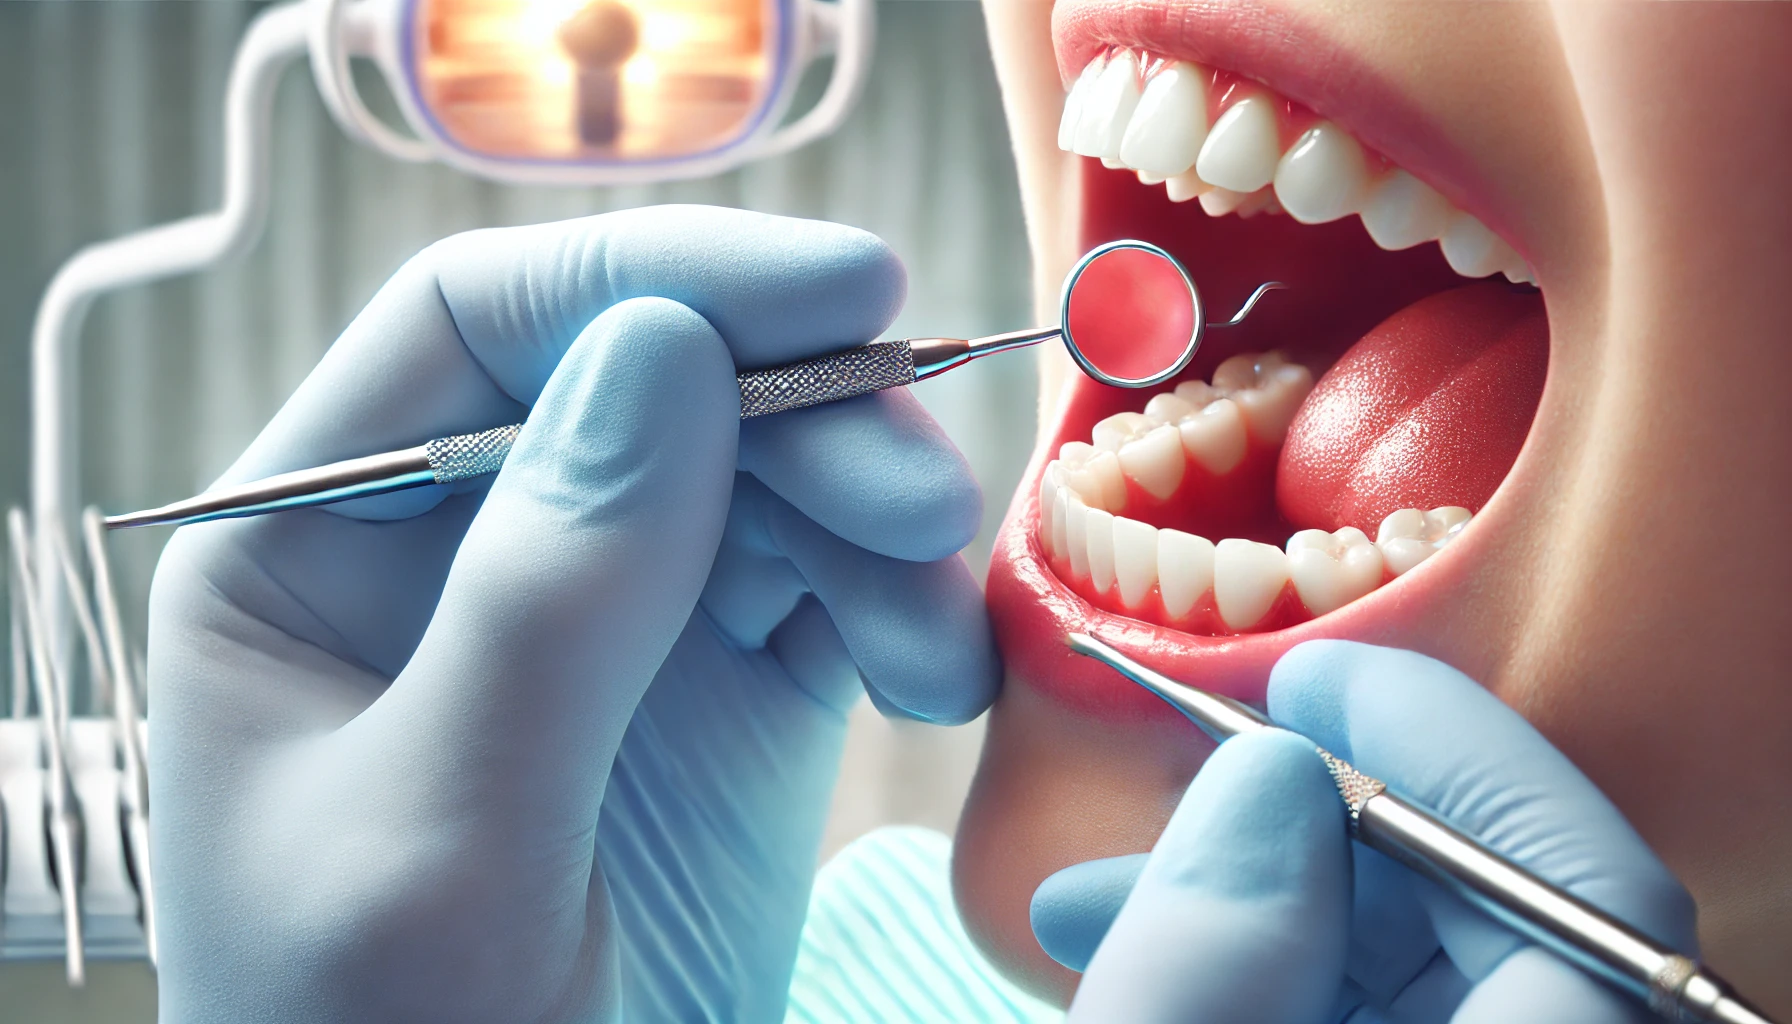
<point>1084,490</point>
<point>1162,126</point>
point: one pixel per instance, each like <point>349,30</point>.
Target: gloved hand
<point>556,746</point>
<point>1254,906</point>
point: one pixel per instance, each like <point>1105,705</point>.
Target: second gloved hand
<point>1254,905</point>
<point>561,749</point>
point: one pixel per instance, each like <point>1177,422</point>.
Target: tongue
<point>1428,409</point>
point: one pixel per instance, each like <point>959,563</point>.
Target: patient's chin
<point>1055,788</point>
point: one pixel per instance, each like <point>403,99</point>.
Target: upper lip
<point>1277,46</point>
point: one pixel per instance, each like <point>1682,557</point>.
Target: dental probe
<point>1674,986</point>
<point>829,378</point>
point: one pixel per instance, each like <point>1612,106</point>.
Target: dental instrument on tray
<point>1130,316</point>
<point>1674,986</point>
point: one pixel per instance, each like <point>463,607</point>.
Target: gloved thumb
<point>1242,911</point>
<point>578,573</point>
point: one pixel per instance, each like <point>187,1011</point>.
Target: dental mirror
<point>1130,315</point>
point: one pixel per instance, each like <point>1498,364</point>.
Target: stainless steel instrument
<point>1675,986</point>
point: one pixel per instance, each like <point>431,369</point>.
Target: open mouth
<point>1305,474</point>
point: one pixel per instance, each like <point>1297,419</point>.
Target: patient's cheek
<point>1055,789</point>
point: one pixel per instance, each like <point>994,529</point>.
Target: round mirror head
<point>1132,317</point>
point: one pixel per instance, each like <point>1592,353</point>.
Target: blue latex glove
<point>1254,906</point>
<point>558,746</point>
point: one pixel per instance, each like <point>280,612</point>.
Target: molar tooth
<point>1099,535</point>
<point>1241,151</point>
<point>1401,211</point>
<point>1215,436</point>
<point>1076,101</point>
<point>1109,106</point>
<point>1322,176</point>
<point>1330,570</point>
<point>1237,373</point>
<point>1185,186</point>
<point>1472,250</point>
<point>1111,433</point>
<point>1076,535</point>
<point>1408,536</point>
<point>1135,560</point>
<point>1170,122</point>
<point>1184,570</point>
<point>1168,407</point>
<point>1247,577</point>
<point>1196,393</point>
<point>1270,406</point>
<point>1155,461</point>
<point>1075,453</point>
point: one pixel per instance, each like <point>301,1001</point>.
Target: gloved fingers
<point>1443,741</point>
<point>919,631</point>
<point>1392,937</point>
<point>468,332</point>
<point>875,470</point>
<point>578,573</point>
<point>1242,911</point>
<point>816,658</point>
<point>1073,909</point>
<point>1431,996</point>
<point>1535,987</point>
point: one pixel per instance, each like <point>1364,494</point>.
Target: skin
<point>1620,592</point>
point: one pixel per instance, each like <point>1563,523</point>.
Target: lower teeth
<point>1182,580</point>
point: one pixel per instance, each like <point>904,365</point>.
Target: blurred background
<point>110,120</point>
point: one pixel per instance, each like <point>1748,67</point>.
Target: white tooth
<point>1401,554</point>
<point>1257,202</point>
<point>1237,373</point>
<point>1472,250</point>
<point>1408,536</point>
<point>1247,578</point>
<point>1407,522</point>
<point>1270,406</point>
<point>1440,521</point>
<point>1112,163</point>
<point>1519,272</point>
<point>1106,468</point>
<point>1170,123</point>
<point>1196,393</point>
<point>1118,429</point>
<point>1155,462</point>
<point>1061,523</point>
<point>1109,106</point>
<point>1147,178</point>
<point>1076,536</point>
<point>1215,436</point>
<point>1168,407</point>
<point>1217,202</point>
<point>1075,453</point>
<point>1330,570</point>
<point>1240,152</point>
<point>1184,570</point>
<point>1077,100</point>
<point>1099,534</point>
<point>1049,482</point>
<point>1401,211</point>
<point>1185,186</point>
<point>1322,176</point>
<point>1135,560</point>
